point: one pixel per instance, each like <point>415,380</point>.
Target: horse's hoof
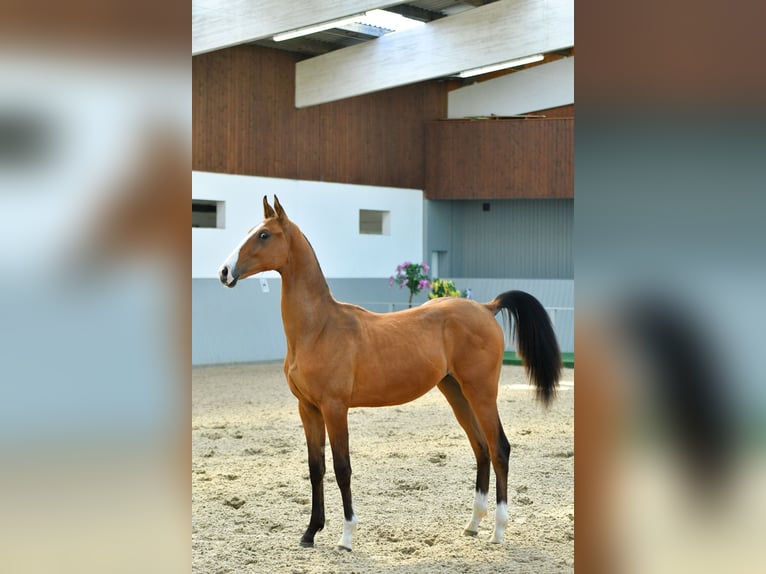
<point>470,533</point>
<point>307,544</point>
<point>342,549</point>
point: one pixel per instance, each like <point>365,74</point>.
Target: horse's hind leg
<point>500,463</point>
<point>464,415</point>
<point>313,426</point>
<point>483,403</point>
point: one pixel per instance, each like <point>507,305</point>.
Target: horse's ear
<point>267,210</point>
<point>280,211</point>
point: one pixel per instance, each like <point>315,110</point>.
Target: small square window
<point>372,222</point>
<point>208,214</point>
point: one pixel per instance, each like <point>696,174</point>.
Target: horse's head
<point>264,248</point>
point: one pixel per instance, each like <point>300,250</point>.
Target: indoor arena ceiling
<point>359,54</point>
<point>355,33</point>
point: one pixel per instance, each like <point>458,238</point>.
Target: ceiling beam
<point>497,32</point>
<point>305,46</point>
<point>415,13</point>
<point>219,24</point>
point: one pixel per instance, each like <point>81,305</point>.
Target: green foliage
<point>443,288</point>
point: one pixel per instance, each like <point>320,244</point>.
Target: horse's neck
<point>306,298</point>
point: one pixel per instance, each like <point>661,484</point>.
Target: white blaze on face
<point>231,261</point>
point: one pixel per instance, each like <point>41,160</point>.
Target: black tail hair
<point>535,341</point>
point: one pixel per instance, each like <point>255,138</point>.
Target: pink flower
<point>391,281</point>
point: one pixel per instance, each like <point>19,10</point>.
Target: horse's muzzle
<point>224,273</point>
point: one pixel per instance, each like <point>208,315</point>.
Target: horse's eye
<point>263,235</point>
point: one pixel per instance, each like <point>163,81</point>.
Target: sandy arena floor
<point>413,483</point>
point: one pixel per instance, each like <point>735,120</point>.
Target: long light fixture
<point>500,66</point>
<point>315,28</point>
<point>376,18</point>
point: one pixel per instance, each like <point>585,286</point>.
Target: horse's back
<point>442,322</point>
<point>397,357</point>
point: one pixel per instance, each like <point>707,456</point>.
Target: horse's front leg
<point>313,426</point>
<point>336,419</point>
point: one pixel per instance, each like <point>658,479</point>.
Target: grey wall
<point>236,325</point>
<point>245,324</point>
<point>515,238</point>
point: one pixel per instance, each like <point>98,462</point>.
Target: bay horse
<point>341,356</point>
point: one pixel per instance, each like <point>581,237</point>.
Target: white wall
<point>327,213</point>
<point>540,87</point>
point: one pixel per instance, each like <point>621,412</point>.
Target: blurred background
<point>94,263</point>
<point>95,115</point>
<point>670,276</point>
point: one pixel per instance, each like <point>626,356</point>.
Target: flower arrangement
<point>414,276</point>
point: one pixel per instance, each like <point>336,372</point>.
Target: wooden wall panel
<point>500,159</point>
<point>244,122</point>
<point>557,112</point>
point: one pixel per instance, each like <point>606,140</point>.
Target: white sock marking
<point>349,527</point>
<point>479,511</point>
<point>501,519</point>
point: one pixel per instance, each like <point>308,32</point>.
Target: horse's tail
<point>535,340</point>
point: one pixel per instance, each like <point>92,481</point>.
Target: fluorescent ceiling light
<point>316,28</point>
<point>500,66</point>
<point>389,20</point>
<point>376,18</point>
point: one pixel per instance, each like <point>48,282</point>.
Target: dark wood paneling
<point>245,122</point>
<point>557,112</point>
<point>500,159</point>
